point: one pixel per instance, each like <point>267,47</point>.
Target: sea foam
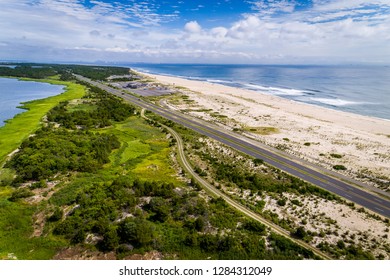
<point>336,102</point>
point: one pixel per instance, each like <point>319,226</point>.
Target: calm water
<point>362,90</point>
<point>13,92</point>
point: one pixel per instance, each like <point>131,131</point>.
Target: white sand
<point>363,142</point>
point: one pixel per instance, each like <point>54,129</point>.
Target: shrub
<point>258,161</point>
<point>339,167</point>
<point>296,202</point>
<point>336,155</point>
<point>255,226</point>
<point>20,193</point>
<point>300,233</point>
<point>282,202</point>
<point>57,215</point>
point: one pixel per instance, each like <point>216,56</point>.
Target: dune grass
<point>22,125</point>
<point>262,130</point>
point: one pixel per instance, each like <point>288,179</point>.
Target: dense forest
<point>51,151</point>
<point>99,110</point>
<point>41,71</point>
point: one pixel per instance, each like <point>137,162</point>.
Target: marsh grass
<point>24,124</point>
<point>144,151</point>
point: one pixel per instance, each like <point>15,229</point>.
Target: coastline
<point>16,129</point>
<point>320,135</point>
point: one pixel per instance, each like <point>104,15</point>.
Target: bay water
<point>14,91</point>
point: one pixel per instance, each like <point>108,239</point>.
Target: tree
<point>139,232</point>
<point>160,209</point>
<point>200,224</point>
<point>254,226</point>
<point>300,233</point>
<point>110,240</point>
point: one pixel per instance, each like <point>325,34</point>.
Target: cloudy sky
<point>204,31</point>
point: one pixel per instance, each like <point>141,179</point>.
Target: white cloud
<point>219,32</point>
<point>273,6</point>
<point>331,29</point>
<point>192,27</point>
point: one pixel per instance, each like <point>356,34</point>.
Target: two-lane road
<point>238,142</point>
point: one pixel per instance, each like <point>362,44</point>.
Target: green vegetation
<point>262,130</point>
<point>21,126</point>
<point>350,252</point>
<point>41,71</point>
<point>52,151</point>
<point>336,155</point>
<point>16,230</point>
<point>249,180</point>
<point>339,167</point>
<point>28,71</point>
<point>104,108</point>
<point>105,179</point>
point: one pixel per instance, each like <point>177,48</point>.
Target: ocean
<point>13,92</point>
<point>363,90</point>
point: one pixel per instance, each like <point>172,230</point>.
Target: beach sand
<point>319,135</point>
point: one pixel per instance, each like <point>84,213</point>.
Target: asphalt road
<point>214,191</point>
<point>343,189</point>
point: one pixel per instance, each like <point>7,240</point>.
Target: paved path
<point>215,192</point>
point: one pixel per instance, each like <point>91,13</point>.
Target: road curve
<point>341,188</point>
<point>215,192</point>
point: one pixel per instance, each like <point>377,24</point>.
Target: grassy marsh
<point>22,125</point>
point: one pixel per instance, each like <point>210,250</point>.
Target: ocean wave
<point>337,102</point>
<point>219,81</point>
<point>277,91</point>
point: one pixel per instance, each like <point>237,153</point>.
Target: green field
<point>22,125</point>
<point>144,151</point>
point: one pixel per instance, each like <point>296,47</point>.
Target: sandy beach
<point>319,135</point>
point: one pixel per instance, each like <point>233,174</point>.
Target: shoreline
<point>16,129</point>
<point>271,99</point>
<point>323,136</point>
<point>256,91</point>
<point>21,106</point>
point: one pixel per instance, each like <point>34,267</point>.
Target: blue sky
<point>179,31</point>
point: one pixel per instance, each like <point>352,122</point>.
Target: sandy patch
<point>336,221</point>
<point>310,132</point>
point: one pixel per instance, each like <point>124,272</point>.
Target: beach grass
<point>24,124</point>
<point>262,130</point>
